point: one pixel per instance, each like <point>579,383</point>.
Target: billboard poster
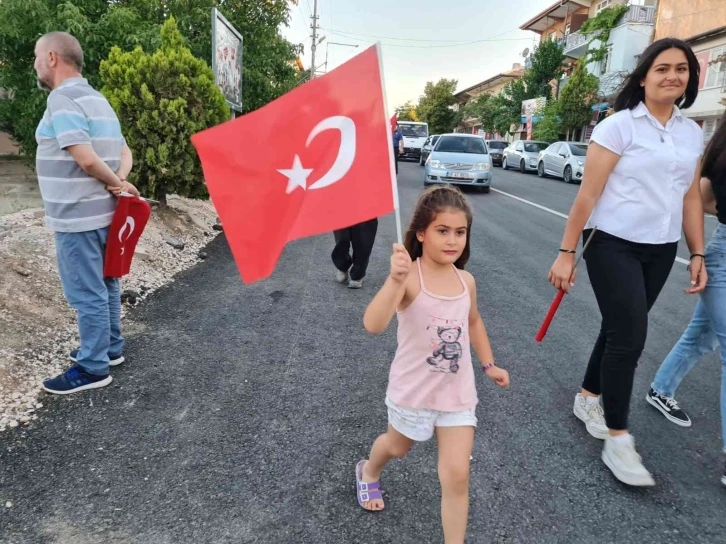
<point>227,59</point>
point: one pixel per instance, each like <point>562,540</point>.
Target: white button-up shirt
<point>643,197</point>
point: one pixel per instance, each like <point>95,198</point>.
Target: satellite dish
<point>525,52</point>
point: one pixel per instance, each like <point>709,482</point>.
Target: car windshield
<point>461,144</point>
<point>414,131</point>
<point>498,145</point>
<point>535,147</point>
<point>578,150</point>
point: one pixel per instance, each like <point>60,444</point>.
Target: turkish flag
<point>132,214</point>
<point>394,122</point>
<point>315,160</point>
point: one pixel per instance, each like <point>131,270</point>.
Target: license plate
<point>459,175</point>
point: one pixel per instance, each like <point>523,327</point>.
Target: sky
<point>422,40</point>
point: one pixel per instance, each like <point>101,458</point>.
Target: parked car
<point>459,159</point>
<point>564,160</point>
<point>426,149</point>
<point>523,154</point>
<point>496,150</point>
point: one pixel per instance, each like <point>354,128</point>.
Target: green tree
<point>407,112</point>
<point>548,128</point>
<point>483,108</point>
<point>598,29</point>
<point>546,65</point>
<point>434,107</point>
<point>507,106</point>
<point>162,99</point>
<point>577,98</point>
<point>268,59</point>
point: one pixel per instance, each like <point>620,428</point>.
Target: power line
<point>430,46</point>
<point>411,39</point>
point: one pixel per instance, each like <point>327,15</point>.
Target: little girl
<point>431,383</point>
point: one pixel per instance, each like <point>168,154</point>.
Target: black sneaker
<point>669,408</point>
<point>113,360</point>
<point>73,380</point>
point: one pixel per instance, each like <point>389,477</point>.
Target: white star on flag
<point>297,175</point>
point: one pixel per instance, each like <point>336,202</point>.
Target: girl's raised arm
<point>383,306</point>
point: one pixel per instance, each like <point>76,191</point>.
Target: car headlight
<point>482,166</point>
<point>581,163</point>
<point>434,163</point>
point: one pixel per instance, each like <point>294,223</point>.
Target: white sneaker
<point>589,411</point>
<point>355,284</point>
<point>621,458</point>
<point>340,276</point>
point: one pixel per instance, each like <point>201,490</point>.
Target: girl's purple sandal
<point>366,491</point>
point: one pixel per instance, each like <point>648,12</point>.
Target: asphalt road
<point>243,410</point>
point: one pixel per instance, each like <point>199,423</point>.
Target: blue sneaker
<point>73,380</point>
<point>113,360</point>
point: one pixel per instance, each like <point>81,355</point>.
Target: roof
<point>483,85</point>
<point>559,10</point>
<point>712,33</point>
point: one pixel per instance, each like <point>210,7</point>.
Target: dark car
<point>496,150</point>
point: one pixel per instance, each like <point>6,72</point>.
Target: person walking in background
<point>82,159</point>
<point>707,329</point>
<point>352,268</point>
<point>397,138</point>
<point>640,188</point>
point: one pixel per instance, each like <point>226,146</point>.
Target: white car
<point>564,160</point>
<point>414,135</point>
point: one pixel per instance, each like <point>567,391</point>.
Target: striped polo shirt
<point>76,114</point>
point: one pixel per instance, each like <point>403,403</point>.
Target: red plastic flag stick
<point>560,295</point>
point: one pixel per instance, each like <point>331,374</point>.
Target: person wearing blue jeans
<point>82,162</point>
<point>707,329</point>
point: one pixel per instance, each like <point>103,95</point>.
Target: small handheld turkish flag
<point>132,214</point>
<point>394,122</point>
<point>317,159</point>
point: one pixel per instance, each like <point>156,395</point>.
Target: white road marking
<point>553,212</point>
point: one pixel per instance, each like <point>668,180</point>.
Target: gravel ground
<point>37,327</point>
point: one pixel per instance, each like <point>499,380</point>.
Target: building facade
<point>492,86</point>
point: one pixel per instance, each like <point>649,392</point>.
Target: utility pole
<point>315,38</point>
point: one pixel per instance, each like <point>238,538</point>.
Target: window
<point>716,72</point>
<point>578,150</point>
<point>554,149</point>
<point>602,5</point>
<point>567,29</point>
<point>642,2</point>
<point>605,63</point>
<point>461,144</point>
<point>535,147</point>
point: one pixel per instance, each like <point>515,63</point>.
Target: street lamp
<point>327,46</point>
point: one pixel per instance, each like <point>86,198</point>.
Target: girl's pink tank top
<point>432,368</point>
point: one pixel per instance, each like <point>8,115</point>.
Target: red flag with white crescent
<point>129,221</point>
<point>316,159</point>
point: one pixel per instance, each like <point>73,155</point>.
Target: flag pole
<point>394,180</point>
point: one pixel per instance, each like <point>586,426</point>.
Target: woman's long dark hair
<point>713,166</point>
<point>433,201</point>
<point>631,93</point>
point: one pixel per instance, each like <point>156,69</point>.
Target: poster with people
<point>227,59</point>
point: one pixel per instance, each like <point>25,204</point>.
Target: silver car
<point>523,154</point>
<point>427,146</point>
<point>459,159</point>
<point>564,160</point>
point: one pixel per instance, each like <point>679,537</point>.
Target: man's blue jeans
<point>705,332</point>
<point>97,300</point>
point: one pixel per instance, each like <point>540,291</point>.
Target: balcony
<point>639,14</point>
<point>576,45</point>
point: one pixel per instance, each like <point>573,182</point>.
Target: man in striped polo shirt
<point>82,164</point>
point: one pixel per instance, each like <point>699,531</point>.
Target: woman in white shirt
<point>640,188</point>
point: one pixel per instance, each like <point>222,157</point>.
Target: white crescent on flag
<point>131,224</point>
<point>297,175</point>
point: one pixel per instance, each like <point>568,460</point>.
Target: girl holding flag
<point>431,384</point>
<point>639,189</point>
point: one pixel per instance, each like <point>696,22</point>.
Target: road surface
<point>242,411</point>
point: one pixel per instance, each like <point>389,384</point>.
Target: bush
<point>161,100</point>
